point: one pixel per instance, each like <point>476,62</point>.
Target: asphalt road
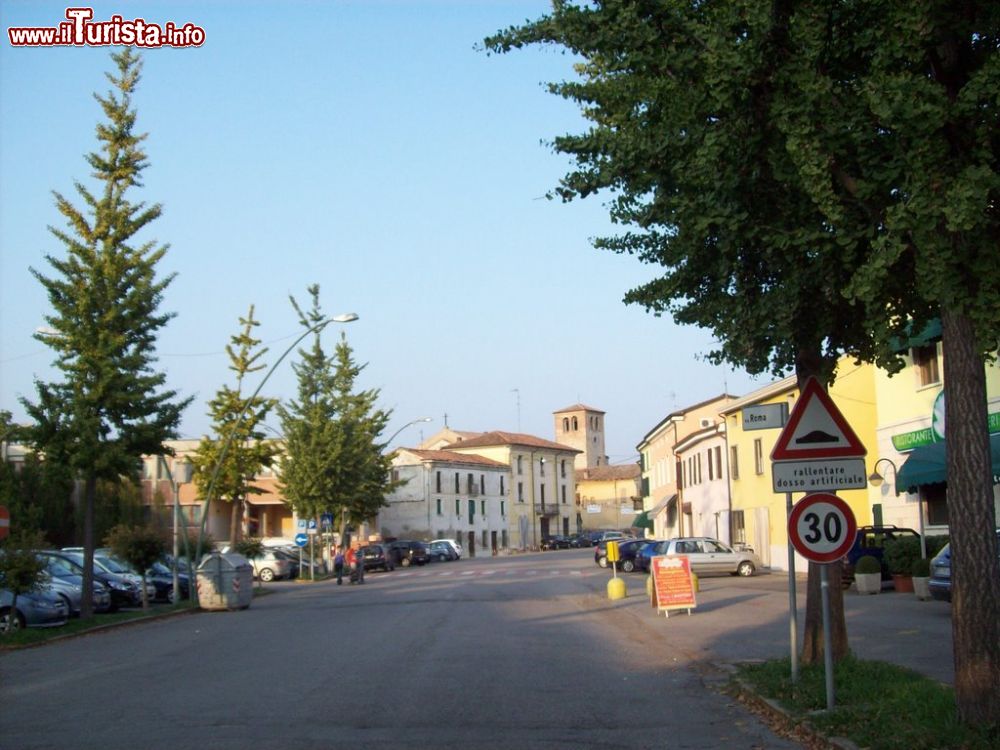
<point>519,652</point>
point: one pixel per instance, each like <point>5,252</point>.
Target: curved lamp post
<point>408,424</point>
<point>344,318</point>
<point>875,480</point>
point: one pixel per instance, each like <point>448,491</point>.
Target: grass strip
<point>878,706</point>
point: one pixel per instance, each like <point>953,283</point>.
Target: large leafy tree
<point>311,463</point>
<point>812,179</point>
<point>111,406</point>
<point>227,464</point>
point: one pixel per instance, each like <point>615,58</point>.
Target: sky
<point>372,148</point>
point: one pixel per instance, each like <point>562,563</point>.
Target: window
<point>437,483</point>
<point>698,464</point>
<point>520,492</point>
<point>718,461</point>
<point>565,424</point>
<point>758,456</point>
<point>458,507</point>
<point>147,469</point>
<point>501,484</point>
<point>734,463</point>
<point>395,474</point>
<point>520,465</point>
<point>925,362</point>
<point>541,467</point>
<point>563,488</point>
<point>470,484</point>
<point>562,468</point>
<point>543,494</point>
<point>575,425</point>
<point>482,484</point>
<point>711,466</point>
<point>472,511</point>
<point>439,506</point>
<point>482,508</point>
<point>456,483</point>
<point>503,509</point>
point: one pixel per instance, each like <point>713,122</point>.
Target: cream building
<point>582,427</point>
<point>460,496</point>
<point>607,497</point>
<point>702,456</point>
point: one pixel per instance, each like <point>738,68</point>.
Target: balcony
<point>546,509</point>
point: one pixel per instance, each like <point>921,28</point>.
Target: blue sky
<point>371,148</point>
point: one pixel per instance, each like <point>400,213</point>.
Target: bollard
<point>616,589</point>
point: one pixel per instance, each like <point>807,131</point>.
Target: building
<point>607,497</point>
<point>659,464</point>
<point>582,427</point>
<point>704,486</point>
<point>460,496</point>
<point>542,483</point>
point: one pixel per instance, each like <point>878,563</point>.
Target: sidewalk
<point>746,619</point>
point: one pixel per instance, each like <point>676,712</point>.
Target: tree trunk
<point>975,571</point>
<point>811,364</point>
<point>87,599</point>
<point>234,522</point>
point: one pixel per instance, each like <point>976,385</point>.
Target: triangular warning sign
<point>816,429</point>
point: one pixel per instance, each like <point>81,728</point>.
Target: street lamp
<point>408,424</point>
<point>875,480</point>
<point>184,469</point>
<point>343,318</point>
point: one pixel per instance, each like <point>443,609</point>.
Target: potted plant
<point>900,554</point>
<point>921,573</point>
<point>868,575</point>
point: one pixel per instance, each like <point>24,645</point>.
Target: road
<point>518,652</point>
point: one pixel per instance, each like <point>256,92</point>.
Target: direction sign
<point>301,540</point>
<point>816,429</point>
<point>4,521</point>
<point>822,527</point>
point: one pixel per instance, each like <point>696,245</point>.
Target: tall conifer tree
<point>111,406</point>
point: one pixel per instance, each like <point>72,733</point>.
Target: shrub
<point>249,547</point>
<point>867,564</point>
<point>900,554</point>
<point>935,544</point>
<point>139,546</point>
<point>921,568</point>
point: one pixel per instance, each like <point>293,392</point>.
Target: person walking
<point>360,557</point>
<point>338,564</point>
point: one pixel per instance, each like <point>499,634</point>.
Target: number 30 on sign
<point>822,527</point>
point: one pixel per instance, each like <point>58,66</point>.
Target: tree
<point>815,179</point>
<point>21,570</point>
<point>111,407</point>
<point>225,466</point>
<point>311,462</point>
<point>38,495</point>
<point>140,547</point>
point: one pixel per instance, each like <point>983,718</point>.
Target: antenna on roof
<point>517,393</point>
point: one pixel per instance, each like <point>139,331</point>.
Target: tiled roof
<point>579,407</point>
<point>605,473</point>
<point>497,437</point>
<point>453,457</point>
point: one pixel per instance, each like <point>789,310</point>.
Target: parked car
<point>38,609</point>
<point>708,555</point>
<point>940,580</point>
<point>162,579</point>
<point>377,556</point>
<point>124,591</point>
<point>581,539</point>
<point>627,550</point>
<point>870,540</point>
<point>441,552</point>
<point>67,581</point>
<point>646,552</point>
<point>555,541</point>
<point>456,547</point>
<point>409,552</point>
<point>269,565</point>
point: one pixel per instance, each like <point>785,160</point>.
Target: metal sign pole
<point>793,616</point>
<point>827,646</point>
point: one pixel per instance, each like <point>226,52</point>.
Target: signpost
<point>301,540</point>
<point>673,586</point>
<point>816,451</point>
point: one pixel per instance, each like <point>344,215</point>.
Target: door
<point>493,541</point>
<point>545,527</point>
<point>471,537</point>
<point>720,559</point>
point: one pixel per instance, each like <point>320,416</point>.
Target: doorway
<point>471,537</point>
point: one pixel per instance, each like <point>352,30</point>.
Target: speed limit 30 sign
<point>822,527</point>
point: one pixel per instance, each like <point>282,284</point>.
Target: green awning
<point>928,464</point>
<point>930,332</point>
<point>642,521</point>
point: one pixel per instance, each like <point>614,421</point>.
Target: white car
<point>457,546</point>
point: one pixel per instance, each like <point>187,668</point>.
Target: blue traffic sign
<point>327,520</point>
<point>302,539</point>
<point>312,523</point>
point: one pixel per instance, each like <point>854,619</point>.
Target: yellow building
<point>607,497</point>
<point>758,513</point>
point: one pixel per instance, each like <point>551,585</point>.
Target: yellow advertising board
<point>673,585</point>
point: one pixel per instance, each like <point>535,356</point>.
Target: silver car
<point>65,580</point>
<point>708,555</point>
<point>35,610</point>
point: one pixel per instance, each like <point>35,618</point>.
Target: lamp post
<point>875,480</point>
<point>183,476</point>
<point>408,424</point>
<point>343,318</point>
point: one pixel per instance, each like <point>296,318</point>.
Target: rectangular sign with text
<point>819,475</point>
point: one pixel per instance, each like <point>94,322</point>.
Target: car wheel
<point>628,566</point>
<point>266,575</point>
<point>66,601</point>
<point>603,561</point>
<point>405,562</point>
<point>745,568</point>
<point>171,596</point>
<point>10,621</point>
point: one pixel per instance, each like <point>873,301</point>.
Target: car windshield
<point>110,564</point>
<point>57,566</point>
<point>160,569</point>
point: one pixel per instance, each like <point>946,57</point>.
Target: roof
<point>681,412</point>
<point>497,437</point>
<point>607,473</point>
<point>579,407</point>
<point>765,392</point>
<point>453,457</point>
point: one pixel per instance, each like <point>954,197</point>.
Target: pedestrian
<point>338,564</point>
<point>352,563</point>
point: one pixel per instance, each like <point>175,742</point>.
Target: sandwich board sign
<point>673,586</point>
<point>817,451</point>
